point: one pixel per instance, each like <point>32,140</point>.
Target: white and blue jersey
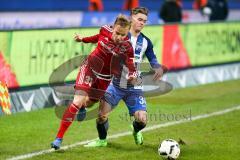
<point>120,89</point>
<point>143,47</point>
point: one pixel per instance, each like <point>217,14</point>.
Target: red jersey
<point>108,57</point>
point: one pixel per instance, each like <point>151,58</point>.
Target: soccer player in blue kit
<point>131,95</point>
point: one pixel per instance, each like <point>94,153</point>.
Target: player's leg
<point>102,125</point>
<point>80,100</point>
<point>136,104</point>
<point>138,124</point>
<point>82,113</point>
<point>111,98</point>
<point>102,120</point>
<point>68,117</point>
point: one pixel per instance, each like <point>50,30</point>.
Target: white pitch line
<point>202,116</point>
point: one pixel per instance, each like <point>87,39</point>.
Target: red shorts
<point>90,81</point>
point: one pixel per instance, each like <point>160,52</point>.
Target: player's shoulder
<point>145,37</point>
<point>106,29</point>
<point>149,42</point>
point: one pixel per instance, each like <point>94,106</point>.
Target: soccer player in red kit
<point>113,50</point>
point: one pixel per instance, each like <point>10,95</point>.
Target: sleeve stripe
<point>107,27</point>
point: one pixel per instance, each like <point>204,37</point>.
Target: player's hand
<point>159,73</point>
<point>77,38</point>
<point>134,80</point>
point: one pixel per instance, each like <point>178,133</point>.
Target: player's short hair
<point>137,10</point>
<point>123,21</point>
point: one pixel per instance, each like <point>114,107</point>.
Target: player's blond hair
<point>123,21</point>
<point>137,10</point>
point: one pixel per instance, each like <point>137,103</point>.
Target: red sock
<point>67,119</point>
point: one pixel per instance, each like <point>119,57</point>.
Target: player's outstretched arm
<point>91,39</point>
<point>77,38</point>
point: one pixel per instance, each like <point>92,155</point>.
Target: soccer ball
<point>169,149</point>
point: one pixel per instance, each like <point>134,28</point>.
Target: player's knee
<point>101,119</point>
<point>77,102</point>
<point>143,122</point>
<point>80,101</point>
<point>141,117</point>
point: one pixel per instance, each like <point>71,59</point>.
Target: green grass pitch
<point>215,138</point>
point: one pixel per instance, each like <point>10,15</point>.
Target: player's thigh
<point>135,102</point>
<point>85,78</point>
<point>113,95</point>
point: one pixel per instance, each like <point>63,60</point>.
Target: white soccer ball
<point>169,149</point>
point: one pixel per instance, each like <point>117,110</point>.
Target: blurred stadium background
<point>203,57</point>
